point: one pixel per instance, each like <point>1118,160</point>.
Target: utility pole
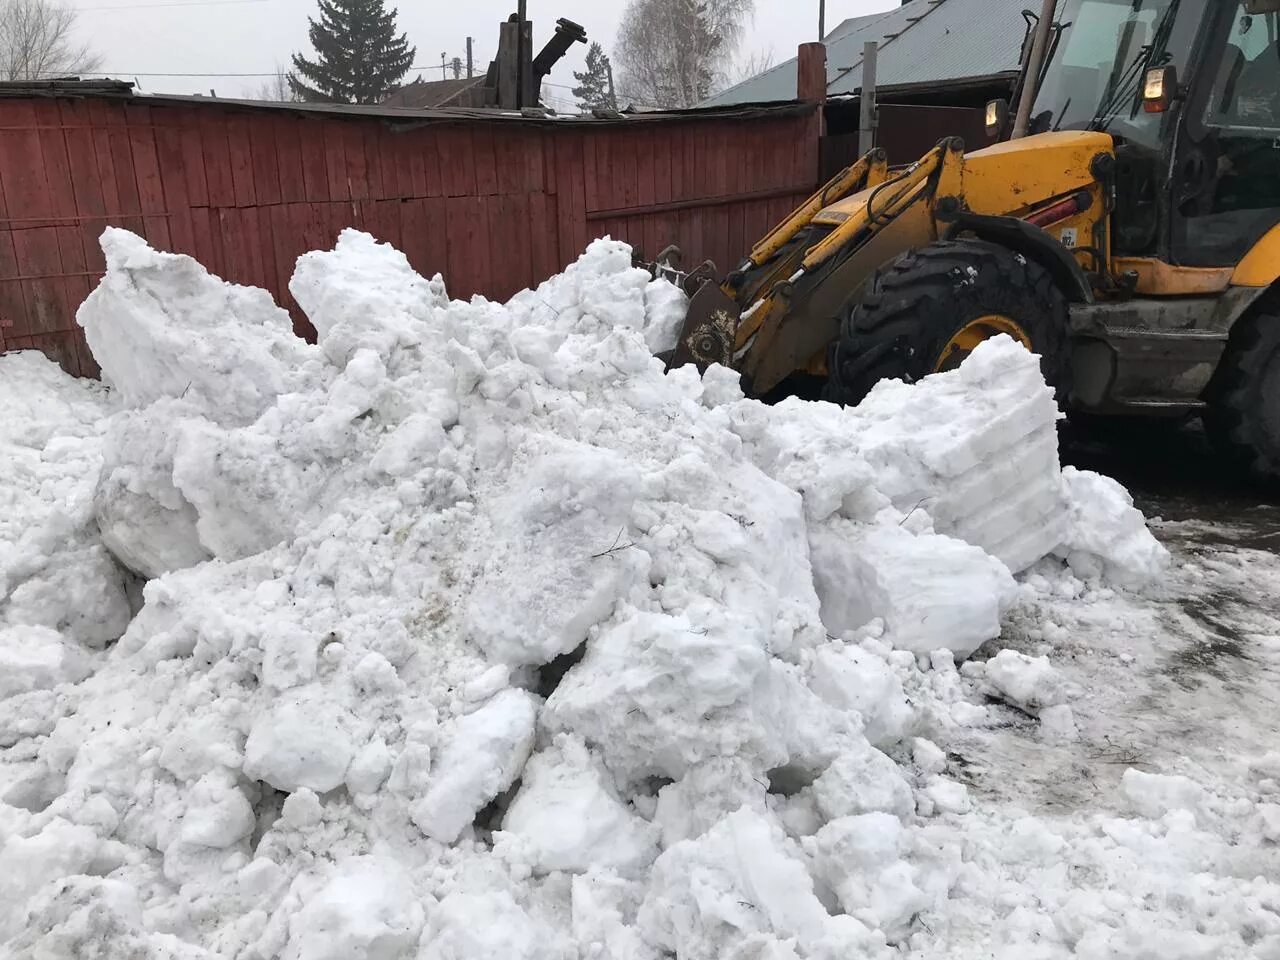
<point>444,66</point>
<point>470,61</point>
<point>822,20</point>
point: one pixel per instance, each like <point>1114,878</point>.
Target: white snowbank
<point>471,633</point>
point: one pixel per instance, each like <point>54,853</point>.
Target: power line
<point>179,3</point>
<point>268,73</point>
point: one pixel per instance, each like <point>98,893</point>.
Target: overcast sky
<point>137,37</point>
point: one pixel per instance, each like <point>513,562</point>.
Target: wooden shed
<point>494,201</point>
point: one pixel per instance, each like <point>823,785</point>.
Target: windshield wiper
<point>1126,84</point>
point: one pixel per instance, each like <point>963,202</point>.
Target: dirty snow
<point>466,632</point>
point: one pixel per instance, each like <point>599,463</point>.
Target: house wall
<point>494,205</point>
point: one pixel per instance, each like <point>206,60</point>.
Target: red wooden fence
<point>494,204</point>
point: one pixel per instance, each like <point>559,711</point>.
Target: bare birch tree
<point>37,42</point>
<point>676,53</point>
<point>752,66</point>
<point>276,89</point>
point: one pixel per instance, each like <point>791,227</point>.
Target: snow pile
<point>62,596</point>
<point>470,633</point>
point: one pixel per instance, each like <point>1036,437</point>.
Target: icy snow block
<point>860,859</point>
<point>301,741</point>
<point>706,795</point>
<point>364,294</point>
<point>559,560</point>
<point>567,818</point>
<point>366,909</point>
<point>976,448</point>
<point>489,926</point>
<point>659,694</point>
<point>1029,683</point>
<point>80,594</point>
<point>160,325</point>
<point>1104,524</point>
<point>933,592</point>
<point>850,678</point>
<point>60,849</point>
<point>1152,795</point>
<point>742,880</point>
<point>863,780</point>
<point>145,521</point>
<point>38,658</point>
<point>483,754</point>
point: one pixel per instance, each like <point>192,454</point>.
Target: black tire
<point>913,308</point>
<point>1243,416</point>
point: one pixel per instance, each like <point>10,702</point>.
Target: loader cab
<point>1197,176</point>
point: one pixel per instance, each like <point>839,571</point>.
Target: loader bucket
<point>709,329</point>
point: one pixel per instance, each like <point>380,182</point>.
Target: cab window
<point>1245,95</point>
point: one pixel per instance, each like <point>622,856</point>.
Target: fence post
<point>811,87</point>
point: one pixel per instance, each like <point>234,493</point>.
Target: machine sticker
<point>1070,237</point>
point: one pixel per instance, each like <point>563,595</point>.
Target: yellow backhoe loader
<point>1128,233</point>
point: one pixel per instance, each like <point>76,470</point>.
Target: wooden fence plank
<point>146,169</point>
<point>216,148</point>
<point>174,183</point>
<point>264,158</point>
<point>241,153</point>
<point>289,164</point>
<point>357,165</point>
<point>187,122</point>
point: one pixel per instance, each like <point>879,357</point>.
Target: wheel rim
<point>965,340</point>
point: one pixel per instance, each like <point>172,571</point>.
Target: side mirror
<point>1160,89</point>
<point>997,117</point>
<point>1255,7</point>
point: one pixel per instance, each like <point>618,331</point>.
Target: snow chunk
<point>366,909</point>
<point>60,849</point>
<point>1152,795</point>
<point>303,741</point>
<point>977,448</point>
<point>932,592</point>
<point>863,780</point>
<point>37,658</point>
<point>160,326</point>
<point>568,819</point>
<point>743,880</point>
<point>1029,683</point>
<point>860,859</point>
<point>487,926</point>
<point>707,794</point>
<point>550,577</point>
<point>850,678</point>
<point>1105,527</point>
<point>483,754</point>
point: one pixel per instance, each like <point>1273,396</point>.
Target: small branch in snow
<point>913,510</point>
<point>618,546</point>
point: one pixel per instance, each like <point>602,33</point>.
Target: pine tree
<point>359,57</point>
<point>595,86</point>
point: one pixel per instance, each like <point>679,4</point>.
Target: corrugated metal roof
<point>921,43</point>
